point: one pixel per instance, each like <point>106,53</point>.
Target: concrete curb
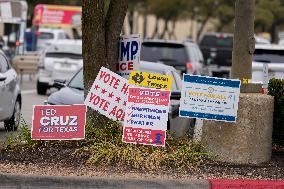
<point>9,181</point>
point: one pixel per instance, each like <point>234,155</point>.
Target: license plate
<point>59,66</point>
<point>65,66</point>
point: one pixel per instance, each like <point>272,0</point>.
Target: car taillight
<point>189,67</point>
<point>18,43</point>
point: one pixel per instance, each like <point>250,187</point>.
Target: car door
<point>7,88</point>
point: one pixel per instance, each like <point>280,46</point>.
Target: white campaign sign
<point>146,116</point>
<point>209,98</point>
<point>108,95</point>
<point>129,54</point>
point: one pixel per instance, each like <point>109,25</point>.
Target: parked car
<point>273,55</point>
<point>47,36</point>
<point>60,61</point>
<point>217,51</point>
<point>10,95</point>
<point>73,93</point>
<point>185,56</point>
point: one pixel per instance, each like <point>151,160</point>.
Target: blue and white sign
<point>129,54</point>
<point>209,98</point>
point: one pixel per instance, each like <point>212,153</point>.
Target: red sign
<point>144,136</point>
<point>60,122</point>
<point>57,15</point>
<point>149,96</point>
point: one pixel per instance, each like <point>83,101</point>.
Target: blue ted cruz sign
<point>209,98</point>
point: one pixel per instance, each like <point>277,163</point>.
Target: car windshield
<point>217,41</point>
<point>268,56</point>
<point>45,36</point>
<point>164,52</point>
<point>77,81</point>
<point>65,51</point>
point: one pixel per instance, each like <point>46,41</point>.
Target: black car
<point>217,52</point>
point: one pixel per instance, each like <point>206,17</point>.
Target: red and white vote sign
<point>108,95</point>
<point>60,122</point>
<point>146,116</point>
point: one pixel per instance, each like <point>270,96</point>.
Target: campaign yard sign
<point>129,54</point>
<point>209,98</point>
<point>146,116</point>
<point>108,94</point>
<point>60,122</point>
<point>151,80</point>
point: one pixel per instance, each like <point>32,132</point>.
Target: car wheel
<point>13,123</point>
<point>41,88</point>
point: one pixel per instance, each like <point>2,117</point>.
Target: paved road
<point>47,182</point>
<point>30,98</point>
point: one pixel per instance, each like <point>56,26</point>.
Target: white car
<point>273,55</point>
<point>60,62</point>
<point>47,36</point>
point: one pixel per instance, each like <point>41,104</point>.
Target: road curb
<point>45,182</point>
<point>246,184</point>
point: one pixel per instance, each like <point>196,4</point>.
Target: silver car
<point>273,55</point>
<point>60,61</point>
<point>10,95</point>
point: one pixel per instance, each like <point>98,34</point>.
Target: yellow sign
<point>146,79</point>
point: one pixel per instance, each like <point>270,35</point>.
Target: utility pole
<point>244,42</point>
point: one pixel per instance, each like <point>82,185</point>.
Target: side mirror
<point>59,83</point>
<point>2,77</point>
<point>176,95</point>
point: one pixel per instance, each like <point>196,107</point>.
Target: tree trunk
<point>203,24</point>
<point>272,32</point>
<point>100,36</point>
<point>165,30</point>
<point>145,27</point>
<point>131,20</point>
<point>243,45</point>
<point>156,28</point>
<point>172,34</point>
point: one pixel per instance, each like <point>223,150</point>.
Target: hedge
<point>276,89</point>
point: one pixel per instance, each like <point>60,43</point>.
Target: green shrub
<point>107,148</point>
<point>276,89</point>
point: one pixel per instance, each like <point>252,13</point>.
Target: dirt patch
<point>61,160</point>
